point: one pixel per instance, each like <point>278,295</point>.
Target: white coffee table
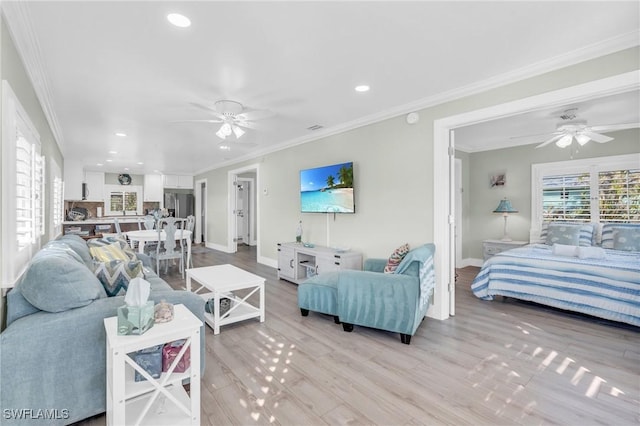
<point>217,282</point>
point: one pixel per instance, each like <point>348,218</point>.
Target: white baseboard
<point>268,261</point>
<point>470,262</point>
<point>218,247</point>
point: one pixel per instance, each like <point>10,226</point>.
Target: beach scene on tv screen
<point>327,189</point>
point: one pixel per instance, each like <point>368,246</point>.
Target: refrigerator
<point>179,204</point>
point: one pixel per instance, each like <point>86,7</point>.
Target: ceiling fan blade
<point>597,137</point>
<point>255,114</point>
<point>614,127</point>
<point>199,121</point>
<point>247,124</point>
<point>550,140</point>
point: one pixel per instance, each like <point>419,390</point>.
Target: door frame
<point>443,236</point>
<point>200,207</point>
<point>232,176</point>
<point>251,200</point>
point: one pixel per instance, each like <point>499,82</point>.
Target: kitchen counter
<point>104,220</point>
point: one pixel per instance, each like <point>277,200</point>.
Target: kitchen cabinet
<point>73,178</point>
<point>95,186</point>
<point>153,188</point>
<point>178,181</point>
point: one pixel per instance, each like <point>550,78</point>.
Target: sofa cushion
<point>78,245</point>
<point>56,282</point>
<point>17,305</point>
<point>395,258</point>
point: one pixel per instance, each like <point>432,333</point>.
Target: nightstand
<point>493,247</point>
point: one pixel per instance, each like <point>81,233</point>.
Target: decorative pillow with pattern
<point>107,241</point>
<point>609,228</point>
<point>571,235</point>
<point>586,238</point>
<point>627,239</point>
<point>395,258</point>
<point>116,274</point>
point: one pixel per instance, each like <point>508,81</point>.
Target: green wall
<point>393,176</point>
<point>517,161</point>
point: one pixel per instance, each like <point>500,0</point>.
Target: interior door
<point>243,191</point>
<point>452,224</point>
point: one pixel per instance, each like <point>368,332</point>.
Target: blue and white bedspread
<point>607,288</point>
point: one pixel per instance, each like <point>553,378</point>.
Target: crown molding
<point>593,51</point>
<point>19,23</point>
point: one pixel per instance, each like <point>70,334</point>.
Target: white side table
<point>493,247</point>
<point>162,401</point>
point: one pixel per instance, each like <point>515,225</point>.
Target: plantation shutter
<point>619,196</point>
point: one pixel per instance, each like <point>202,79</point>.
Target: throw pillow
<point>116,274</point>
<point>609,228</point>
<point>105,241</point>
<point>57,282</point>
<point>564,234</point>
<point>108,252</point>
<point>395,258</point>
<point>627,239</point>
<point>588,232</point>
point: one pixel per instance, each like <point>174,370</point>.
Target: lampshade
<point>505,207</point>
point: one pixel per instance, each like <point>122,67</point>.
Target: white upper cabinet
<point>153,188</point>
<point>178,181</point>
<point>95,186</point>
<point>73,179</point>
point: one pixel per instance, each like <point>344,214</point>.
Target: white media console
<point>297,262</point>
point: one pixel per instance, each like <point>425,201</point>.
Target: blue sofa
<point>53,361</point>
<point>394,302</point>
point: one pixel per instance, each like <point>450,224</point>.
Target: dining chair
<point>166,249</point>
<point>190,225</point>
<point>149,222</point>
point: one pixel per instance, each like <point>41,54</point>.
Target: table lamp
<point>505,208</point>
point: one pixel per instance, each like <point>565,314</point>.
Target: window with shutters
<point>57,201</point>
<point>23,188</point>
<point>605,189</point>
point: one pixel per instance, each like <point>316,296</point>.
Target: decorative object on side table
<point>163,312</point>
<point>505,208</point>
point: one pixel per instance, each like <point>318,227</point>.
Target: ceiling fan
<point>232,116</point>
<point>579,130</point>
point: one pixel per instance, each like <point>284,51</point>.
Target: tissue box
<point>150,359</point>
<point>169,354</point>
<point>135,319</point>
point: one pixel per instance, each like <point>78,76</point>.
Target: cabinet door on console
<point>286,263</point>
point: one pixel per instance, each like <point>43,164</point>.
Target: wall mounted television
<point>327,189</point>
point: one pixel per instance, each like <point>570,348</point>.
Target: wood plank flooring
<point>499,362</point>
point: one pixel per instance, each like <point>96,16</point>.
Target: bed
<point>607,287</point>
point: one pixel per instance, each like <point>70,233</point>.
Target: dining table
<point>144,236</point>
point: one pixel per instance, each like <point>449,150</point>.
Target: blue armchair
<point>394,302</point>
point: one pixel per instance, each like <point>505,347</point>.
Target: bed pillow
<point>588,233</point>
<point>627,239</point>
<point>568,235</point>
<point>395,258</point>
<point>608,230</point>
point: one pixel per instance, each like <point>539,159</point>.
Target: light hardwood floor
<point>493,363</point>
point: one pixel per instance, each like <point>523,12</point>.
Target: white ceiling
<point>121,67</point>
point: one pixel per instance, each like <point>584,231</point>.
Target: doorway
<point>244,208</point>
<point>200,230</point>
<point>443,219</point>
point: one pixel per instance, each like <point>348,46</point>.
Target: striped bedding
<point>607,288</point>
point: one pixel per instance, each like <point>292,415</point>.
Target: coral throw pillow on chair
<point>395,258</point>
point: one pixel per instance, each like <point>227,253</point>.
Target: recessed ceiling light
<point>126,169</point>
<point>225,147</point>
<point>99,164</point>
<point>122,135</point>
<point>109,160</point>
<point>140,163</point>
<point>179,20</point>
<point>362,88</point>
<point>113,152</point>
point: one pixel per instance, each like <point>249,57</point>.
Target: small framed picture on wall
<point>498,179</point>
